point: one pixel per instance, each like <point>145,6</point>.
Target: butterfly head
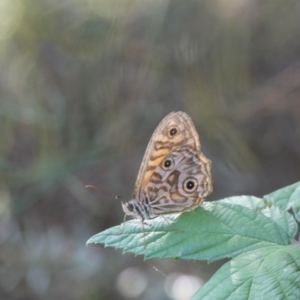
<point>137,209</point>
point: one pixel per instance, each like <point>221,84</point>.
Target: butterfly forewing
<point>162,143</point>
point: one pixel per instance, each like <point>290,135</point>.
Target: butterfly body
<point>175,176</point>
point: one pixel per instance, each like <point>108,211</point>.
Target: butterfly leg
<point>170,224</point>
<point>122,226</point>
<point>144,236</point>
<point>166,220</point>
<point>147,224</point>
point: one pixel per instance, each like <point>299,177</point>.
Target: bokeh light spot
<point>179,286</point>
<point>132,282</point>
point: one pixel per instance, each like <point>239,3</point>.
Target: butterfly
<point>175,175</point>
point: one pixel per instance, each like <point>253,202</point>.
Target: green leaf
<point>246,201</point>
<point>284,219</point>
<point>266,273</point>
<point>211,232</point>
<point>286,198</point>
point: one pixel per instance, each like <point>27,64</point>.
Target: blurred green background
<point>84,83</point>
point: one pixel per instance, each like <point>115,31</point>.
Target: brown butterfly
<point>175,175</point>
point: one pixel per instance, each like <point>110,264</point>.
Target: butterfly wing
<point>177,137</point>
<point>182,185</point>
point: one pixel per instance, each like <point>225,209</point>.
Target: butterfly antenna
<point>89,186</point>
<point>121,198</point>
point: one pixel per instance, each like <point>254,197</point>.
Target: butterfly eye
<point>173,131</point>
<point>130,207</point>
<point>190,185</point>
<point>168,164</point>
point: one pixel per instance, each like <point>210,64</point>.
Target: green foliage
<point>287,198</point>
<point>256,233</point>
<point>265,273</point>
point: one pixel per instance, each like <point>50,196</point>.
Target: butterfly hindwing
<point>183,186</point>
